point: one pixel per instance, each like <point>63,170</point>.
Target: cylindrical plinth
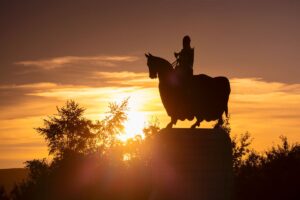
<point>192,164</point>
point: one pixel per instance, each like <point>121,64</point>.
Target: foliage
<point>273,174</point>
<point>240,150</point>
<point>240,146</point>
<point>69,130</point>
<point>3,195</point>
<point>88,159</point>
<point>36,184</point>
<point>152,128</point>
<point>112,125</point>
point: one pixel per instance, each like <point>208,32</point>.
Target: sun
<point>133,126</point>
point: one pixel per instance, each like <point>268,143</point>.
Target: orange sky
<point>94,53</point>
<point>255,105</point>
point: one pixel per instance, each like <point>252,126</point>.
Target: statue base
<point>191,164</point>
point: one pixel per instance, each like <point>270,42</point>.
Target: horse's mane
<point>162,61</point>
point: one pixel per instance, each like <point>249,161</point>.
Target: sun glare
<point>133,126</point>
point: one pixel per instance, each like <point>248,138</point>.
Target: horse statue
<point>203,97</point>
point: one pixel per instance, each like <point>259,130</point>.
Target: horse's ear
<point>147,55</point>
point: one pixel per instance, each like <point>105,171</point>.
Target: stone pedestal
<point>192,164</point>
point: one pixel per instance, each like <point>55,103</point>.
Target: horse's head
<point>152,65</point>
<point>157,66</point>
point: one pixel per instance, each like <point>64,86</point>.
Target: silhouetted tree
<point>36,184</point>
<point>152,128</point>
<point>273,174</point>
<point>69,130</point>
<point>87,160</point>
<point>240,145</point>
<point>240,149</point>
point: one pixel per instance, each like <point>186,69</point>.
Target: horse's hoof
<point>169,126</point>
<point>193,126</point>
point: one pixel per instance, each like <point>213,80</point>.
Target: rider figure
<point>185,60</point>
<point>184,71</point>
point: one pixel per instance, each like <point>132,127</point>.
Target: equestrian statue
<point>185,95</point>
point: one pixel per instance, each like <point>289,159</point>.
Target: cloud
<point>40,86</point>
<point>125,78</point>
<point>125,75</point>
<point>260,86</point>
<point>19,101</point>
<point>71,70</point>
<point>257,99</point>
<point>59,62</point>
<point>28,100</point>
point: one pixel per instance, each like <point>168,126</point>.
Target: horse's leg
<point>220,122</point>
<point>197,123</point>
<point>173,121</point>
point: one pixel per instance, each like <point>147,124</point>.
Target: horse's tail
<point>226,111</point>
<point>227,90</point>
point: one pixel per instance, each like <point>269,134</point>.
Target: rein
<point>174,63</point>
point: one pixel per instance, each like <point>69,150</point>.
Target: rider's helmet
<point>186,41</point>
